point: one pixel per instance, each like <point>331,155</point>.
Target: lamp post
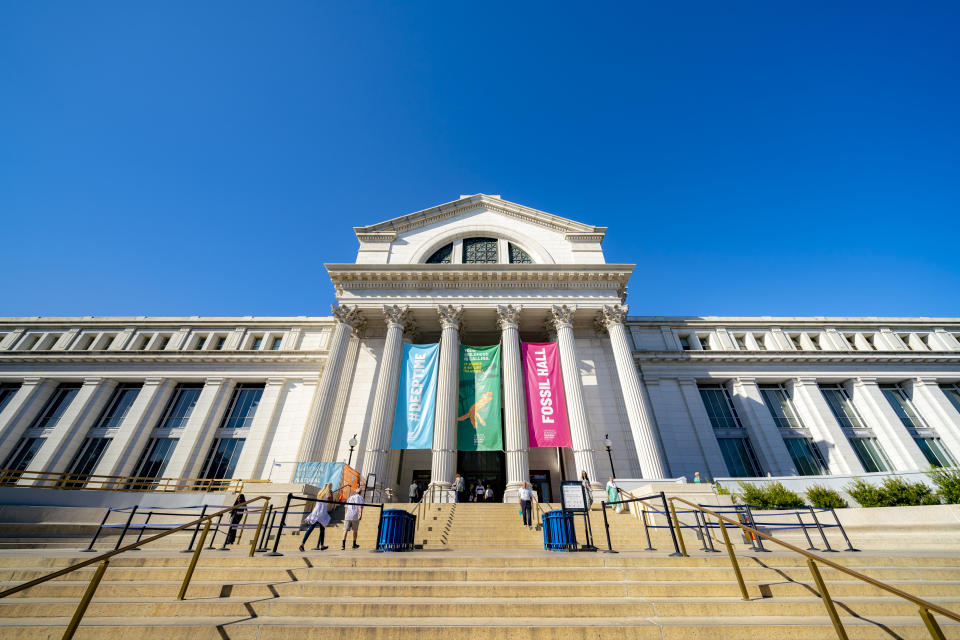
<point>607,443</point>
<point>353,445</point>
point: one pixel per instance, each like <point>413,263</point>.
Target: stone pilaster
<point>134,432</point>
<point>376,459</point>
<point>817,416</point>
<point>763,431</point>
<point>514,402</point>
<point>893,435</point>
<point>445,419</point>
<point>21,410</point>
<point>253,456</point>
<point>935,407</point>
<point>197,436</point>
<point>349,320</point>
<point>647,441</point>
<point>562,317</point>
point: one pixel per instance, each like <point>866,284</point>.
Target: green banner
<point>478,409</point>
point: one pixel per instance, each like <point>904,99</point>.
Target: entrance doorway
<point>483,466</point>
<point>422,478</point>
<point>540,483</point>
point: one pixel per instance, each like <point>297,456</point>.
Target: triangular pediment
<point>389,229</point>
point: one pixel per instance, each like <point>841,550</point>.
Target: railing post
<point>216,530</point>
<point>827,601</point>
<point>679,536</point>
<point>193,562</point>
<point>842,532</point>
<point>196,530</point>
<point>673,534</point>
<point>142,529</point>
<point>283,521</point>
<point>803,527</point>
<point>646,529</point>
<point>826,543</point>
<point>97,534</point>
<point>733,559</point>
<point>125,527</point>
<point>753,524</point>
<point>85,600</point>
<point>606,525</point>
<point>265,537</point>
<point>256,535</point>
<point>935,631</point>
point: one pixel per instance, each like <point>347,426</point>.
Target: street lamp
<point>607,443</point>
<point>353,444</point>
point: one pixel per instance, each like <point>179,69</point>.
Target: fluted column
<point>445,419</point>
<point>649,451</point>
<point>562,317</point>
<point>385,397</point>
<point>348,320</point>
<point>514,402</point>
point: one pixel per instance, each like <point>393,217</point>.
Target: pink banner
<point>547,421</point>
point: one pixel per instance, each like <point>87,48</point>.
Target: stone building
<point>251,397</point>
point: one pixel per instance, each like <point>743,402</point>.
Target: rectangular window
<point>7,391</point>
<point>55,406</point>
<point>153,461</point>
<point>842,407</point>
<point>243,406</point>
<point>902,406</point>
<point>936,454</point>
<point>275,345</point>
<point>740,458</point>
<point>88,457</point>
<point>164,341</point>
<point>952,392</point>
<point>741,342</point>
<point>118,406</point>
<point>22,454</point>
<point>222,458</point>
<point>780,406</point>
<point>180,407</point>
<point>871,455</point>
<point>704,342</point>
<point>220,342</point>
<point>806,457</point>
<point>257,341</point>
<point>685,343</point>
<point>719,405</point>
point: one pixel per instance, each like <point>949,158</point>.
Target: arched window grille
<point>441,255</point>
<point>480,251</point>
<point>518,255</point>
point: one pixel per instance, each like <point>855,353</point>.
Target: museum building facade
<point>489,339</point>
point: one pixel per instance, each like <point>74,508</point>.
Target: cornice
<point>761,322</point>
<point>719,357</point>
<point>173,323</point>
<point>165,357</point>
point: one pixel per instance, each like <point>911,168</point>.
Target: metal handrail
<point>104,560</point>
<point>81,481</point>
<point>925,606</point>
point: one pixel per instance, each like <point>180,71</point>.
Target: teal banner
<point>416,398</point>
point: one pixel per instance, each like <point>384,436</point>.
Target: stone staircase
<point>481,574</point>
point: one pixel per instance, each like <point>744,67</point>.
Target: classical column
<point>896,440</point>
<point>349,320</point>
<point>21,410</point>
<point>197,436</point>
<point>385,398</point>
<point>645,438</point>
<point>253,456</point>
<point>445,419</point>
<point>562,317</point>
<point>817,416</point>
<point>134,432</point>
<point>72,427</point>
<point>514,402</point>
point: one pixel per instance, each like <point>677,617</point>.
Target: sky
<point>751,158</point>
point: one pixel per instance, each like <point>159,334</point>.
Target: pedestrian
<point>585,481</point>
<point>458,487</point>
<point>479,491</point>
<point>236,515</point>
<point>526,502</point>
<point>488,494</point>
<point>351,518</point>
<point>473,486</point>
<point>696,477</point>
<point>613,495</point>
<point>414,490</point>
<point>319,518</point>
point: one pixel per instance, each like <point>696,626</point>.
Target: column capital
<point>395,314</point>
<point>152,382</point>
<point>687,380</point>
<point>613,314</point>
<point>92,382</point>
<point>805,381</point>
<point>31,382</point>
<point>923,380</point>
<point>275,382</point>
<point>864,380</point>
<point>214,381</point>
<point>561,315</point>
<point>450,315</point>
<point>508,316</point>
<point>349,315</point>
<point>651,380</point>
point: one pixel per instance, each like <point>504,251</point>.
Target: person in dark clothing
<point>236,515</point>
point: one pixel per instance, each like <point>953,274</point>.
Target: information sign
<point>573,497</point>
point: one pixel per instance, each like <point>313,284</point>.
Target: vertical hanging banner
<point>478,408</point>
<point>547,421</point>
<point>416,398</point>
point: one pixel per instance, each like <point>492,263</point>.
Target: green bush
<point>894,492</point>
<point>721,490</point>
<point>824,498</point>
<point>948,482</point>
<point>771,495</point>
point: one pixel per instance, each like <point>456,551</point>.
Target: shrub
<point>825,498</point>
<point>948,482</point>
<point>894,492</point>
<point>771,495</point>
<point>721,490</point>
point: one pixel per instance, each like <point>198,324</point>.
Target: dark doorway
<point>484,466</point>
<point>422,478</point>
<point>540,483</point>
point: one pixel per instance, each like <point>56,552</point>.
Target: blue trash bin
<point>558,531</point>
<point>396,530</point>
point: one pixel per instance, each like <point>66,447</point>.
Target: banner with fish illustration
<point>416,398</point>
<point>478,408</point>
<point>547,422</point>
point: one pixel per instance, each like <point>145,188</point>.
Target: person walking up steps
<point>351,519</point>
<point>318,518</point>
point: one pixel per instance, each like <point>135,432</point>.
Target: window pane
<point>243,406</point>
<point>902,406</point>
<point>740,458</point>
<point>7,392</point>
<point>23,453</point>
<point>180,406</point>
<point>842,408</point>
<point>222,458</point>
<point>118,406</point>
<point>153,461</point>
<point>936,454</point>
<point>518,255</point>
<point>780,407</point>
<point>441,255</point>
<point>952,391</point>
<point>55,406</point>
<point>720,409</point>
<point>479,251</point>
<point>871,455</point>
<point>806,457</point>
<point>88,456</point>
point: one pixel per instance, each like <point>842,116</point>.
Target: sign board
<point>572,496</point>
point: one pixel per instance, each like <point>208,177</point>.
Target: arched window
<point>518,255</point>
<point>441,255</point>
<point>480,251</point>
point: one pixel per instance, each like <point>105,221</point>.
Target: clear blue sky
<point>206,158</point>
